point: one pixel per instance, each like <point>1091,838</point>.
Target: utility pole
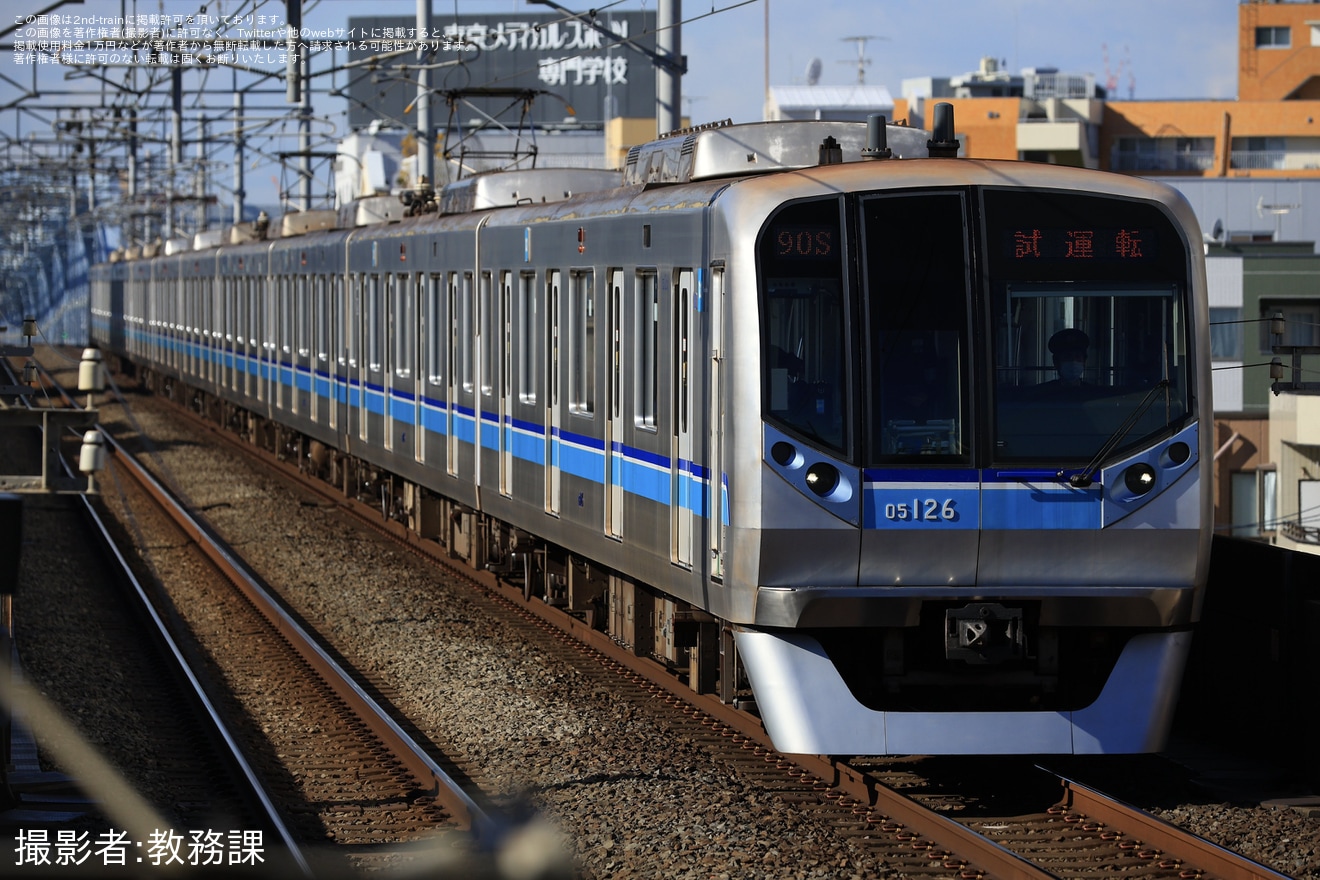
<point>239,143</point>
<point>425,148</point>
<point>669,77</point>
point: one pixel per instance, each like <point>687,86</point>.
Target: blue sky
<point>1161,49</point>
<point>1153,49</point>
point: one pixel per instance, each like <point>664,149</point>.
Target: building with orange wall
<point>1272,129</point>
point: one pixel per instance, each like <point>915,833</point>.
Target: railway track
<point>867,804</point>
<point>1078,832</point>
<point>350,778</point>
<point>335,778</point>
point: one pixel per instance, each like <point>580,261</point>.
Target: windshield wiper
<point>1083,479</point>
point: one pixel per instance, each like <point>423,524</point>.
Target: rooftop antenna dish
<point>813,72</point>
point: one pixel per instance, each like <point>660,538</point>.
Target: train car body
<point>799,428</point>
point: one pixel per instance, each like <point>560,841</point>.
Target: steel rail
<point>235,751</point>
<point>991,858</point>
<point>443,787</point>
<point>161,631</point>
<point>1194,851</point>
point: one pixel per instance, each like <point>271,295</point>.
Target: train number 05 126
<point>922,510</point>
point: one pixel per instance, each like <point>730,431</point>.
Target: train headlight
<point>1176,454</point>
<point>786,455</point>
<point>822,478</point>
<point>1139,479</point>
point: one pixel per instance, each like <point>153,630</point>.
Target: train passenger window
<point>915,306</point>
<point>582,326</point>
<point>646,371</point>
<point>1090,326</point>
<point>804,326</point>
<point>528,350</point>
<point>435,351</point>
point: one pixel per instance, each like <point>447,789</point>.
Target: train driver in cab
<point>1068,348</point>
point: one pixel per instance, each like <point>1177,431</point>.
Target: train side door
<point>681,497</point>
<point>613,411</point>
<point>451,412</point>
<point>716,503</point>
<point>504,387</point>
<point>552,393</point>
<point>369,362</point>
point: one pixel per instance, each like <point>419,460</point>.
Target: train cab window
<point>1089,325</point>
<point>915,306</point>
<point>804,333</point>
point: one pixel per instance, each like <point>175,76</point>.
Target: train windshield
<point>1089,326</point>
<point>914,307</point>
<point>804,322</point>
<point>1053,328</point>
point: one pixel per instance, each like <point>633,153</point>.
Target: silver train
<point>906,452</point>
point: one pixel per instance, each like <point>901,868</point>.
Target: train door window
<point>467,333</point>
<point>552,341</point>
<point>322,323</point>
<point>375,332</point>
<point>646,371</point>
<point>302,307</point>
<point>529,370</point>
<point>682,295</point>
<point>403,328</point>
<point>616,342</point>
<point>582,348</point>
<point>286,317</point>
<point>434,339</point>
<point>915,300</point>
<point>489,350</point>
<point>353,319</point>
<point>804,323</point>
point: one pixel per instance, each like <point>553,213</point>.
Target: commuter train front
<point>917,446</point>
<point>977,512</point>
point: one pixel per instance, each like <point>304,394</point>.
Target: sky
<point>1149,49</point>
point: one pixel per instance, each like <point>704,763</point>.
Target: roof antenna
<point>944,145</point>
<point>876,138</point>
